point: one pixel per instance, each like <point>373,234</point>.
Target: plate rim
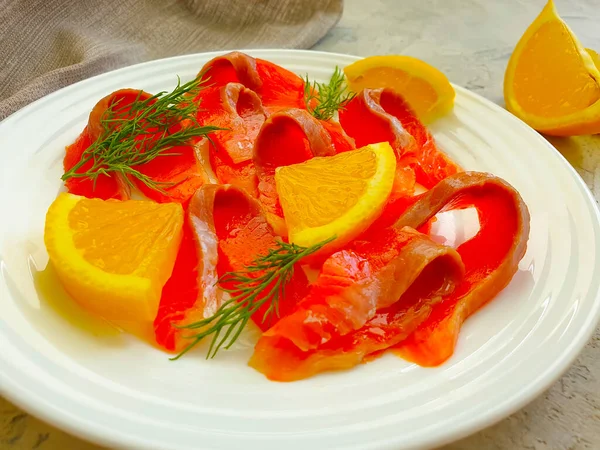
<point>538,384</point>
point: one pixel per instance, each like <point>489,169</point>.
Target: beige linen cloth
<point>48,44</point>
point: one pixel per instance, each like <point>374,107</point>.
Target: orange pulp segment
<point>113,257</point>
<point>337,195</point>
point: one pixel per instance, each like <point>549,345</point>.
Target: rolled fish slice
<point>321,334</point>
<point>277,87</point>
<point>239,111</point>
<point>226,219</point>
<point>179,169</point>
<point>378,115</point>
<point>491,257</point>
<point>225,232</point>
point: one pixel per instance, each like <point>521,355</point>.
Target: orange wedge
<point>551,81</point>
<point>425,88</point>
<point>337,195</point>
<point>113,257</point>
<point>595,57</point>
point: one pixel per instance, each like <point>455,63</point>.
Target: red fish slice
<point>352,286</point>
<point>491,258</point>
<point>179,294</point>
<point>228,216</point>
<point>227,232</point>
<point>277,87</point>
<point>232,67</point>
<point>119,100</point>
<point>239,111</point>
<point>377,115</point>
<point>339,139</point>
<point>287,137</point>
<point>367,122</point>
<point>292,354</point>
<point>105,186</point>
<point>180,169</point>
<point>281,88</point>
<point>430,164</point>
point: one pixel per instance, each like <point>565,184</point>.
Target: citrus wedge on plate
<point>551,81</point>
<point>337,195</point>
<point>425,88</point>
<point>595,57</point>
<point>113,257</point>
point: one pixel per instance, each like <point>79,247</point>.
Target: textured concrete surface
<point>469,40</point>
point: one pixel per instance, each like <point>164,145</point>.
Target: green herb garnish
<point>263,282</point>
<point>330,97</point>
<point>137,133</point>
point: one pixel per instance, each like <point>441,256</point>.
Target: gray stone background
<point>470,41</point>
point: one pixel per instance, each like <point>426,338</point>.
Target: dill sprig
<point>330,97</point>
<point>262,282</point>
<point>136,133</point>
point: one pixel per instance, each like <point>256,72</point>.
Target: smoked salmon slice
<point>180,293</point>
<point>239,112</point>
<point>235,221</point>
<point>339,139</point>
<point>329,332</point>
<point>377,115</point>
<point>287,137</point>
<point>178,171</point>
<point>105,187</point>
<point>365,120</point>
<point>277,87</point>
<point>491,257</point>
<point>352,285</point>
<point>227,232</point>
<point>119,101</point>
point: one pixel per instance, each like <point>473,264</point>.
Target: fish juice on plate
<point>260,177</point>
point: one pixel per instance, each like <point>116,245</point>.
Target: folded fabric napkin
<point>48,44</point>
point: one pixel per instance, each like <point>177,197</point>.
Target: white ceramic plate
<point>117,391</point>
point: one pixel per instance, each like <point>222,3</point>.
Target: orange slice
<point>113,257</point>
<point>551,81</point>
<point>337,195</point>
<point>595,57</point>
<point>425,88</point>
